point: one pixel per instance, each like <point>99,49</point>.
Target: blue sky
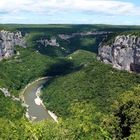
<point>126,12</point>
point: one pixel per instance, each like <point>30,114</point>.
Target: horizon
<point>68,24</point>
<point>106,12</point>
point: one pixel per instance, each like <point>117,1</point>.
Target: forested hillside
<point>92,100</point>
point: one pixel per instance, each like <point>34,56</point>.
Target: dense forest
<point>92,100</point>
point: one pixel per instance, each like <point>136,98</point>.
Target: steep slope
<point>123,52</point>
<point>65,44</point>
<point>82,94</point>
<point>8,41</point>
<point>82,98</point>
<point>18,71</point>
<point>94,82</point>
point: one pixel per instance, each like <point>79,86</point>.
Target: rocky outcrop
<point>6,93</point>
<point>66,36</point>
<point>47,42</point>
<point>8,40</point>
<point>123,53</point>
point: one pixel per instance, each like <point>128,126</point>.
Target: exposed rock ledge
<point>7,94</point>
<point>123,53</point>
<point>8,40</point>
<point>46,42</point>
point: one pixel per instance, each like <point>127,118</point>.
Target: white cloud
<point>53,6</point>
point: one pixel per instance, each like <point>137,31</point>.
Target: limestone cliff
<point>123,53</point>
<point>47,42</point>
<point>8,40</point>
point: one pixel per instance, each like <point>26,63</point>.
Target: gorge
<point>91,99</point>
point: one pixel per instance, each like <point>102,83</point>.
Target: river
<point>36,111</point>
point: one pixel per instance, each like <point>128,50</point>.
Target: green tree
<point>124,122</point>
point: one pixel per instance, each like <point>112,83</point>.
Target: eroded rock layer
<point>123,53</point>
<point>8,41</point>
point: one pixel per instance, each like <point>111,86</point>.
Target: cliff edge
<point>123,53</point>
<point>8,41</point>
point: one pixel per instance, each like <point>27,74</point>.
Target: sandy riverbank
<point>37,100</point>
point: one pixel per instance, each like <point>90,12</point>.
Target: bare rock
<point>51,42</point>
<point>5,92</point>
<point>8,41</point>
<point>123,53</point>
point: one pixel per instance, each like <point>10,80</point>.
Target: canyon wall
<point>123,53</point>
<point>8,41</point>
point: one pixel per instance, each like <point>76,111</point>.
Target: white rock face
<point>7,42</point>
<point>51,42</point>
<point>123,53</point>
<point>5,92</point>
